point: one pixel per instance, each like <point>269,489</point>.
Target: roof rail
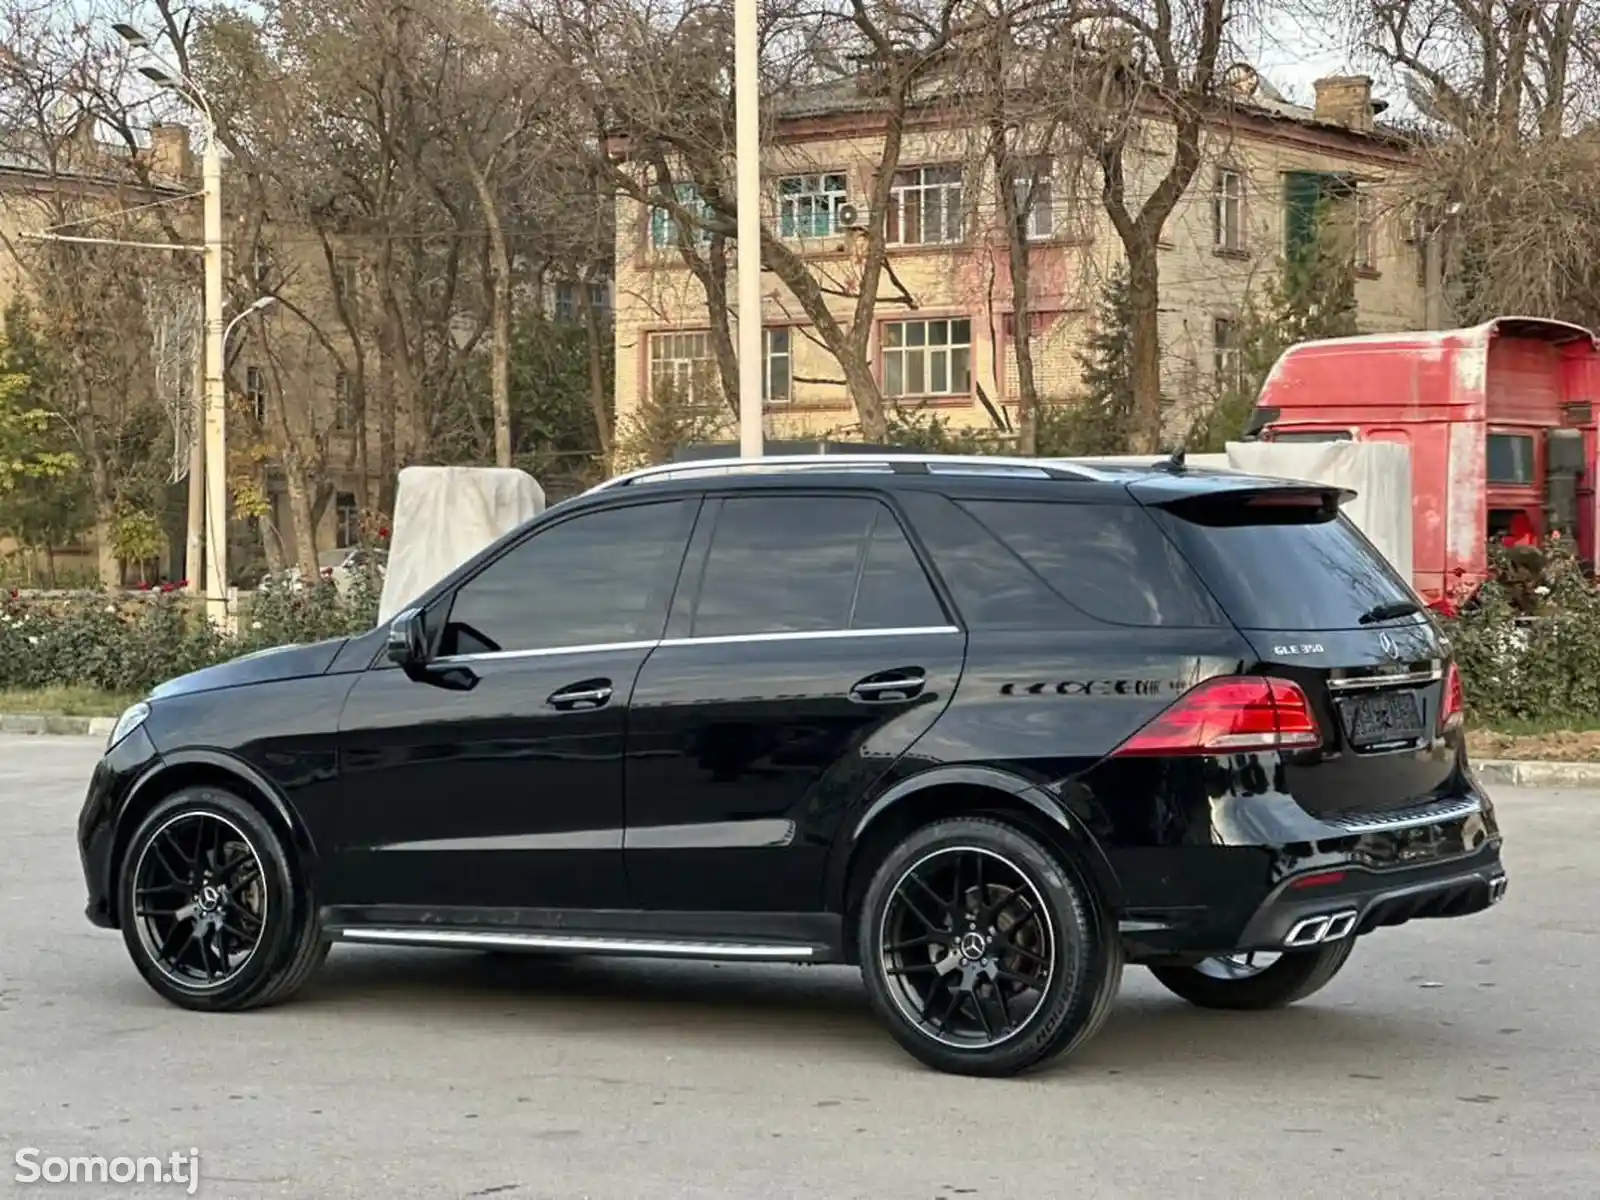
<point>920,464</point>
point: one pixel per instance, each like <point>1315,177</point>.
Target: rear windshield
<point>1283,562</point>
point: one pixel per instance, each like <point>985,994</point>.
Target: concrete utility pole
<point>216,397</point>
<point>747,173</point>
<point>214,430</point>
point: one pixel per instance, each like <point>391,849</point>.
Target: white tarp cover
<point>445,515</point>
<point>1378,472</point>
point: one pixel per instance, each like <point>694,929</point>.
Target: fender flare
<point>1065,827</point>
<point>248,779</point>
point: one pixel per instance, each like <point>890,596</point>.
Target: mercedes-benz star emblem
<point>1389,646</point>
<point>973,945</point>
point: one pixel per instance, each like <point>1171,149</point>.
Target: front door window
<point>598,579</point>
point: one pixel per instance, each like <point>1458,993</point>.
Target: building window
<point>927,358</point>
<point>682,364</point>
<point>1227,211</point>
<point>808,205</point>
<point>344,408</point>
<point>255,393</point>
<point>347,516</point>
<point>1226,357</point>
<point>1035,199</point>
<point>566,302</point>
<point>664,229</point>
<point>926,206</point>
<point>600,300</point>
<point>777,365</point>
<point>1366,231</point>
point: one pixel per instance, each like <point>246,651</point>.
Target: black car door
<point>509,794</point>
<point>806,652</point>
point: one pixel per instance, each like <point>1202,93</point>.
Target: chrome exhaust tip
<point>1308,932</point>
<point>1497,889</point>
<point>1340,925</point>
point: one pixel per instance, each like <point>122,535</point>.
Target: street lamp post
<point>215,424</point>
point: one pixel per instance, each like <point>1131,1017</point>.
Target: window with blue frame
<point>664,230</point>
<point>808,205</point>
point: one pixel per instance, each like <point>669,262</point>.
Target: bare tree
<point>91,298</point>
<point>1507,94</point>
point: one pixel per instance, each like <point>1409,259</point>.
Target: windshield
<point>1285,562</point>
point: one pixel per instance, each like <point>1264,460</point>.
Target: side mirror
<point>408,640</point>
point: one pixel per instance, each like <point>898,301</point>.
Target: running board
<point>514,940</point>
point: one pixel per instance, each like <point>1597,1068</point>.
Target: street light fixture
<point>215,399</point>
<point>255,306</point>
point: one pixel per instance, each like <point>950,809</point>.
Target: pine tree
<point>1101,421</point>
<point>1312,296</point>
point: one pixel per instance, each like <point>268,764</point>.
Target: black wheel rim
<point>967,947</point>
<point>199,900</point>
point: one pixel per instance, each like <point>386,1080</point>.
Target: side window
<point>1510,458</point>
<point>782,564</point>
<point>990,584</point>
<point>894,591</point>
<point>1112,561</point>
<point>594,579</point>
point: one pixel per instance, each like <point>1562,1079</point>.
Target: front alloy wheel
<point>982,952</point>
<point>215,910</point>
<point>201,901</point>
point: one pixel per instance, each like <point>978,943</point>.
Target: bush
<point>1528,643</point>
<point>130,644</point>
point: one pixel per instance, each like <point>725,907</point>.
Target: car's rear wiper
<point>1390,610</point>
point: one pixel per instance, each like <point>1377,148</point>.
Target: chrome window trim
<point>714,640</point>
<point>728,639</point>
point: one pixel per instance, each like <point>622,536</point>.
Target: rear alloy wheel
<point>211,909</point>
<point>1256,981</point>
<point>981,952</point>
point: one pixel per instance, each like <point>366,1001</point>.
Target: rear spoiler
<point>1218,491</point>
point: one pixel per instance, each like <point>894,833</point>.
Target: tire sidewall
<point>285,905</point>
<point>1068,1002</point>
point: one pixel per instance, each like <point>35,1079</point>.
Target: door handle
<point>591,693</point>
<point>904,683</point>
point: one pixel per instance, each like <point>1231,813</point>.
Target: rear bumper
<point>1304,911</point>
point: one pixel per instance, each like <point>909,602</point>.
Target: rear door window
<point>1110,560</point>
<point>810,564</point>
<point>1283,562</point>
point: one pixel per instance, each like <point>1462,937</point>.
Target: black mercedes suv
<point>989,728</point>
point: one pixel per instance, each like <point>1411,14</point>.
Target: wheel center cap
<point>973,945</point>
<point>210,896</point>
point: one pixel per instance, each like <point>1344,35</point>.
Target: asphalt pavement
<point>1449,1059</point>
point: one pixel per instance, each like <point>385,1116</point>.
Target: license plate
<point>1383,718</point>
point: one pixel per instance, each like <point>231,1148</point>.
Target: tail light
<point>1230,714</point>
<point>1454,710</point>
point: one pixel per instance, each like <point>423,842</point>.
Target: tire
<point>217,913</point>
<point>1295,975</point>
<point>1043,983</point>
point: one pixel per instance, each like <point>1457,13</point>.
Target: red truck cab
<point>1499,420</point>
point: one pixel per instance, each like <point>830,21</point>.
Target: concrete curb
<point>57,724</point>
<point>1507,772</point>
<point>1510,772</point>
